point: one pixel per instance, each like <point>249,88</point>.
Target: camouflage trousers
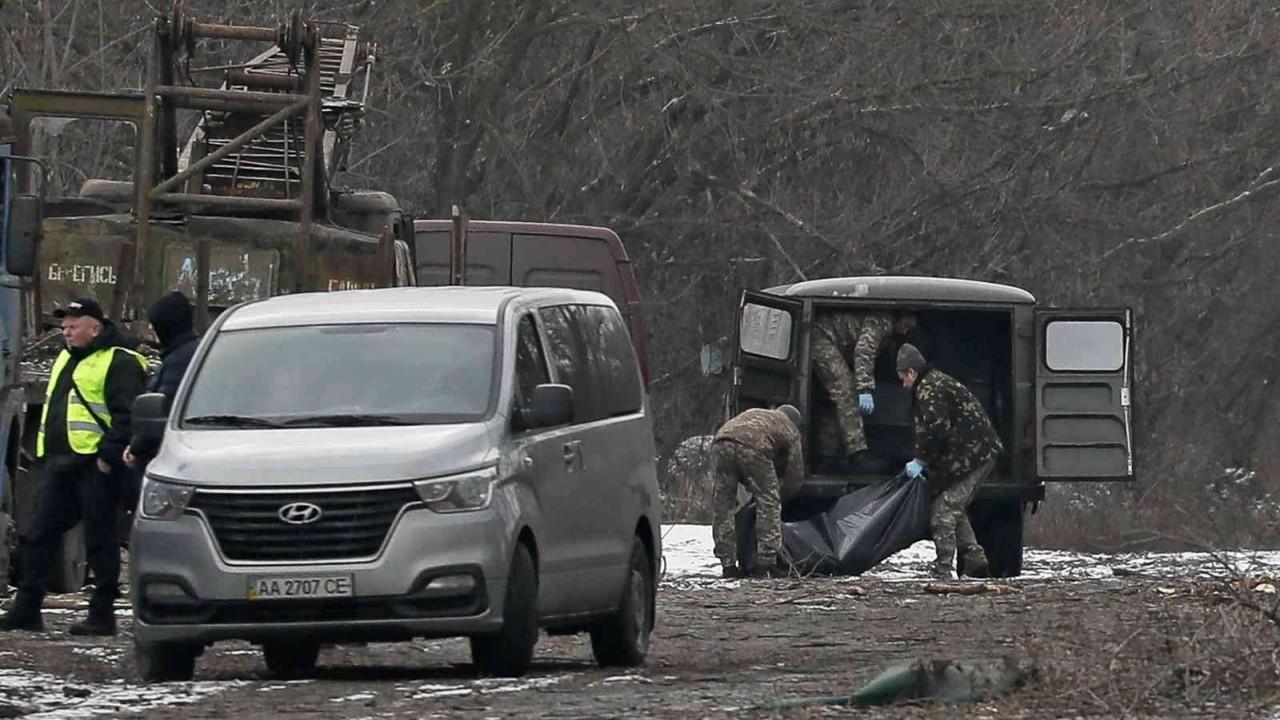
<point>950,524</point>
<point>841,386</point>
<point>736,463</point>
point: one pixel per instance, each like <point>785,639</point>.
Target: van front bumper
<point>184,590</point>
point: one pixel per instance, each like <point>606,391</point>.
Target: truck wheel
<point>290,659</point>
<point>69,563</point>
<point>1001,538</point>
<point>623,640</point>
<point>509,652</point>
<point>165,662</point>
<point>8,547</point>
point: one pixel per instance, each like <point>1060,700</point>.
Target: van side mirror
<point>26,213</point>
<point>150,414</point>
<point>552,405</point>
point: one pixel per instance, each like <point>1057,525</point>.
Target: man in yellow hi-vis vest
<point>84,429</point>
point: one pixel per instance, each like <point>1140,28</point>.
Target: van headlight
<point>163,500</point>
<point>458,493</point>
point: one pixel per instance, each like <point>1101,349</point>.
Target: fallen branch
<point>964,588</point>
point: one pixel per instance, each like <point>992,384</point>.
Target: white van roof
<point>448,304</point>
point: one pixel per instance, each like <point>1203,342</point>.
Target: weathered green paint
<point>250,258</point>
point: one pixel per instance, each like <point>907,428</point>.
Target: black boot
<point>101,620</point>
<point>23,614</point>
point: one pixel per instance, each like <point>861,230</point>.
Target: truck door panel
<point>1083,395</point>
<point>769,356</point>
<point>488,260</point>
<point>583,263</point>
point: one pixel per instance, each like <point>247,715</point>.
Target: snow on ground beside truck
<point>687,555</point>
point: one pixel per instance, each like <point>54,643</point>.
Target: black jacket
<point>125,381</point>
<point>174,359</point>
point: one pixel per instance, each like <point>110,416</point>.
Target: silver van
<point>380,465</point>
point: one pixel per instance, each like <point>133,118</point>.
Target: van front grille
<point>351,524</point>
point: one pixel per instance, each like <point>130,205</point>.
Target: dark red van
<point>529,254</point>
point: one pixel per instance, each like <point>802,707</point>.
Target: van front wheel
<point>290,659</point>
<point>623,639</point>
<point>509,652</point>
<point>165,662</point>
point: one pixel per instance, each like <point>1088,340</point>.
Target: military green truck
<point>242,206</point>
<point>1056,383</point>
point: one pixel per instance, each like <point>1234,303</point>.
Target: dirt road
<point>1129,645</point>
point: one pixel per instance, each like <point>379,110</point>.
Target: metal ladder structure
<point>268,140</point>
<point>271,164</point>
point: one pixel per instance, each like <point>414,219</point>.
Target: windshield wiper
<point>344,420</point>
<point>242,421</point>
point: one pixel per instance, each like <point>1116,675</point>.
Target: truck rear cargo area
<point>974,346</point>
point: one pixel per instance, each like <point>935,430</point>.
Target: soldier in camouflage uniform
<point>755,449</point>
<point>956,447</point>
<point>850,389</point>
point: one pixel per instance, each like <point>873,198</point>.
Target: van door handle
<point>573,455</point>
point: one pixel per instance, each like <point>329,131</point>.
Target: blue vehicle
<point>20,218</point>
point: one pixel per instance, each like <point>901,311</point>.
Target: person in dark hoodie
<point>173,320</point>
<point>83,433</point>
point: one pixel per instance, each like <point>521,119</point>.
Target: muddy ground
<point>1130,645</point>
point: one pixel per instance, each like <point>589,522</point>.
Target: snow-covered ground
<point>687,555</point>
<point>39,696</point>
<point>687,559</point>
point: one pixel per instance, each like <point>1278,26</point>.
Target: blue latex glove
<point>866,403</point>
<point>914,469</point>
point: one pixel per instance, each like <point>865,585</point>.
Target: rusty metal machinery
<point>263,137</point>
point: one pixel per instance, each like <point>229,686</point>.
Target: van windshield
<point>344,376</point>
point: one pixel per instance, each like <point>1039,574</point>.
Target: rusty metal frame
<point>26,104</point>
<point>157,176</point>
<point>162,98</point>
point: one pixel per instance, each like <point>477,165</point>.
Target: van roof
<point>449,304</point>
<point>906,288</point>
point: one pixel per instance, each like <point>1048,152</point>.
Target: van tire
<point>623,639</point>
<point>164,662</point>
<point>1001,537</point>
<point>509,652</point>
<point>290,659</point>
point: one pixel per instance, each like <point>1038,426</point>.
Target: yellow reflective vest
<point>84,434</point>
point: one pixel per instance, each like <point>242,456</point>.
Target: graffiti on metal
<point>236,272</point>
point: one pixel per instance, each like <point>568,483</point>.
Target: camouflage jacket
<point>952,433</point>
<point>771,434</point>
<point>864,332</point>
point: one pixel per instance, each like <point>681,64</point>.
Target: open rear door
<point>1083,395</point>
<point>768,352</point>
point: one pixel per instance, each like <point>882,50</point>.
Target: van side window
<point>571,361</point>
<point>592,353</point>
<point>613,358</point>
<point>531,364</point>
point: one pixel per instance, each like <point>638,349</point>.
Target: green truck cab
<point>1056,383</point>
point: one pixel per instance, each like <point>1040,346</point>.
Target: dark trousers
<point>73,490</point>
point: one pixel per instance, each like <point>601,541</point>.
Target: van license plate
<point>287,588</point>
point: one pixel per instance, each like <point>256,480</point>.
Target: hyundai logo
<point>300,513</point>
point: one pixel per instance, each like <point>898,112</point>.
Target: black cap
<point>81,307</point>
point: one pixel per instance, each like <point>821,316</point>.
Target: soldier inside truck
<point>974,346</point>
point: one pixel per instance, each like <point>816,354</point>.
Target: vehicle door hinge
<point>1124,397</point>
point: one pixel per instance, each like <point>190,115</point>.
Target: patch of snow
<point>435,691</point>
<point>110,655</point>
<point>688,559</point>
<point>626,678</point>
<point>485,686</point>
<point>54,698</point>
<point>354,698</point>
<point>686,551</point>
